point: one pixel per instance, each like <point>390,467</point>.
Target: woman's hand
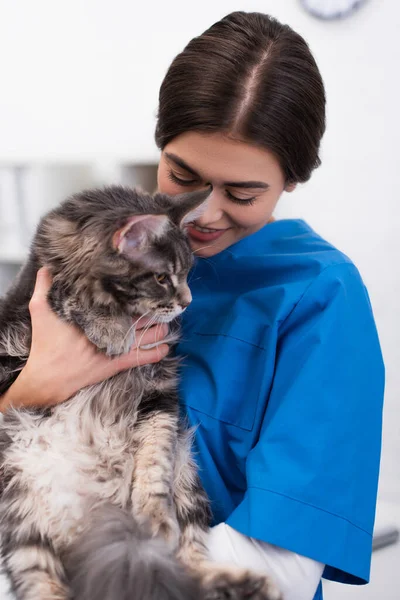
<point>62,360</point>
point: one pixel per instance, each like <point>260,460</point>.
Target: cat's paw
<point>159,518</point>
<point>238,584</point>
<point>168,530</point>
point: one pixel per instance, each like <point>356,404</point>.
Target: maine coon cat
<point>99,496</point>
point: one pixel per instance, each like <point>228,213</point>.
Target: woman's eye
<point>162,278</point>
<point>175,179</point>
<point>179,181</point>
<point>240,200</point>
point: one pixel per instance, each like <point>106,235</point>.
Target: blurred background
<point>79,85</point>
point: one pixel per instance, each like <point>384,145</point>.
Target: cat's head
<point>123,248</point>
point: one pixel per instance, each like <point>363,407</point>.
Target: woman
<point>283,373</point>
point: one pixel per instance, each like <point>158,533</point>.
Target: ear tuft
<point>188,206</point>
<point>194,214</point>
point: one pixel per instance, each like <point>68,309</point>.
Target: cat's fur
<point>99,496</point>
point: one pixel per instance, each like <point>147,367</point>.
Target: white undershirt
<point>296,576</point>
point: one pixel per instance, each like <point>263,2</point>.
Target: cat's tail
<point>118,560</point>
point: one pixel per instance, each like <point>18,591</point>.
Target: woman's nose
<point>213,210</point>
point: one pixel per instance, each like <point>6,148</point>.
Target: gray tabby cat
<point>99,496</point>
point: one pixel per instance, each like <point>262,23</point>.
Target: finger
<point>43,282</point>
<point>153,355</point>
<point>154,334</point>
<point>137,357</point>
<point>42,287</point>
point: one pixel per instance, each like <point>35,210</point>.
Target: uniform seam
<point>232,337</point>
<point>312,506</point>
<point>347,264</point>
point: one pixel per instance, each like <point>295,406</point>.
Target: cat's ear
<point>188,207</point>
<point>133,238</point>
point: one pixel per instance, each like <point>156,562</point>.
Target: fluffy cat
<point>99,496</point>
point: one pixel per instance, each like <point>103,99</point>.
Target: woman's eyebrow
<point>238,184</point>
<point>181,163</point>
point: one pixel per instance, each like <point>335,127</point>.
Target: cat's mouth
<point>158,316</point>
<point>167,317</point>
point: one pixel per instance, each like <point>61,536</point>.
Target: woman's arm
<point>63,361</point>
<point>296,576</point>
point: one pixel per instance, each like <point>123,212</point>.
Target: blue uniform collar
<point>259,241</point>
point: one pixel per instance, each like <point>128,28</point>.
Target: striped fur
<point>88,483</point>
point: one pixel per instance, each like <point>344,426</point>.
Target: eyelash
<point>172,177</point>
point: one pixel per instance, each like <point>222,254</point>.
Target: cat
<point>99,495</point>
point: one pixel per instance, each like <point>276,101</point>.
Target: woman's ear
<point>290,187</point>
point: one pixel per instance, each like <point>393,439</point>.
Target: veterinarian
<point>283,373</point>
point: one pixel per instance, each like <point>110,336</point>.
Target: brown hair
<point>253,78</point>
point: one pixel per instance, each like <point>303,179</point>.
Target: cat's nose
<point>185,297</point>
<point>184,304</point>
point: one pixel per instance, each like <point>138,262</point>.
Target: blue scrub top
<point>283,376</point>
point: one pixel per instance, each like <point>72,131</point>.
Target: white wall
<point>80,79</point>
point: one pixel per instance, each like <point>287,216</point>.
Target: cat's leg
<point>27,556</point>
<point>155,447</point>
<point>15,325</point>
<point>30,562</point>
<point>33,568</point>
<point>192,506</point>
<point>111,333</point>
<point>15,341</point>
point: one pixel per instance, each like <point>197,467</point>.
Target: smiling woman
<point>246,179</point>
<point>281,354</point>
<point>282,375</point>
<point>253,132</point>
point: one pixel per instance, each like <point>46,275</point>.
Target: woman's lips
<point>203,236</point>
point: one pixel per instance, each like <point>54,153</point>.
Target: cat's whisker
<point>204,258</point>
<point>142,332</point>
<point>189,279</point>
<point>202,248</point>
<point>137,321</point>
<point>145,329</point>
<point>141,316</point>
<point>125,336</point>
<point>133,326</point>
<point>208,261</point>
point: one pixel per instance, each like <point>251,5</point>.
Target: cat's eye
<point>162,277</point>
